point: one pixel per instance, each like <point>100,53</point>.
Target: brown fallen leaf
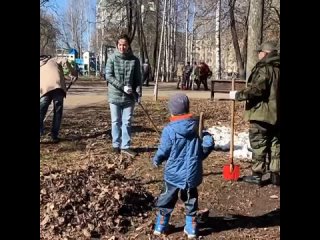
<point>86,232</point>
<point>45,220</point>
<point>274,197</point>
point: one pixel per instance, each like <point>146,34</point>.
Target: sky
<point>61,4</point>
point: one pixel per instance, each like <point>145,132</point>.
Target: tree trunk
<point>165,53</point>
<point>161,37</point>
<point>174,33</point>
<point>170,40</point>
<point>255,26</point>
<point>132,9</point>
<point>156,43</point>
<point>235,40</point>
<point>144,43</point>
<point>218,46</point>
<point>187,2</point>
<point>139,30</point>
<point>192,36</point>
<point>245,48</point>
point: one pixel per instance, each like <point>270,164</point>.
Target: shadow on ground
<point>218,224</point>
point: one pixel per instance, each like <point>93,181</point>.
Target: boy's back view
<point>184,151</point>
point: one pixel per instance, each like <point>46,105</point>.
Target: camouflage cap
<point>267,46</point>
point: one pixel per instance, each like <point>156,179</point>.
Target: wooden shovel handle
<point>232,126</point>
<point>201,125</point>
<point>231,166</point>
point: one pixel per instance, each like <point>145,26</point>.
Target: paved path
<point>85,94</point>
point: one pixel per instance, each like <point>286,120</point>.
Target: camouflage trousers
<point>265,141</point>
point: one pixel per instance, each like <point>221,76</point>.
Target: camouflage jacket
<point>262,94</point>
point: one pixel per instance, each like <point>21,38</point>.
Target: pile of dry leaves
<point>93,201</point>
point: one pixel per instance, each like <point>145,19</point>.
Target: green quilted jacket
<point>123,70</point>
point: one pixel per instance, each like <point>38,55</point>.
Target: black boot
<point>55,139</point>
<point>275,179</point>
<point>255,178</point>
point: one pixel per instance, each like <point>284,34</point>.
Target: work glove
<point>232,95</point>
<point>127,89</point>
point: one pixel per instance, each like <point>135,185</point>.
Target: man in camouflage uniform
<point>262,111</point>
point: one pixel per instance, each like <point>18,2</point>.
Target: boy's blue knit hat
<point>179,104</point>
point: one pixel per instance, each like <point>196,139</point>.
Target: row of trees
<point>69,28</point>
<point>48,30</point>
<point>220,32</point>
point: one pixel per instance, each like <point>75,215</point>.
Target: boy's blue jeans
<point>121,117</point>
<point>169,197</point>
<point>56,96</point>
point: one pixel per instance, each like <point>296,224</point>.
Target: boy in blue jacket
<point>183,151</point>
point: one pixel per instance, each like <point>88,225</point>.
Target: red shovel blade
<point>231,172</point>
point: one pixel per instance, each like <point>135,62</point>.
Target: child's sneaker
<point>162,223</point>
<point>191,227</point>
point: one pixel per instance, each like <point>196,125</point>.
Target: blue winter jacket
<point>184,151</point>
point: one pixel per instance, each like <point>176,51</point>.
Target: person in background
<point>204,73</point>
<point>180,69</point>
<point>186,76</point>
<point>146,72</point>
<point>194,76</point>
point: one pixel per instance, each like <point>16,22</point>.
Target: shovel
<point>231,171</point>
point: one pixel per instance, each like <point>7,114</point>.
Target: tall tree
<point>218,45</point>
<point>132,9</point>
<point>48,30</point>
<point>48,34</point>
<point>156,42</point>
<point>193,32</point>
<point>255,28</point>
<point>160,48</point>
<point>187,4</point>
<point>235,40</point>
<point>75,25</point>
